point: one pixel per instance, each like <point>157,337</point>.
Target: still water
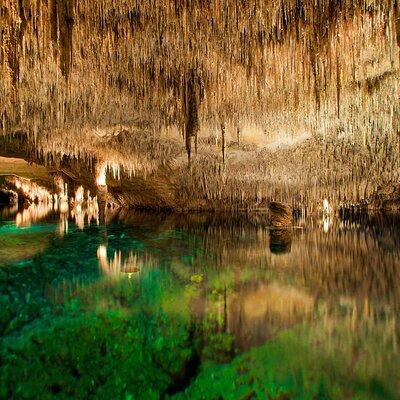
<point>200,306</point>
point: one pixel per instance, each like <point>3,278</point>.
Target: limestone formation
<point>294,101</point>
<point>281,215</point>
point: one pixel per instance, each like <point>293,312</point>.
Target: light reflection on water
<point>82,215</point>
<point>33,213</point>
<point>119,264</point>
<point>241,277</point>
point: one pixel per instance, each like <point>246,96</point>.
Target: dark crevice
<point>182,382</point>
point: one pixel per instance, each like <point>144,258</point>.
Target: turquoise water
<point>198,306</point>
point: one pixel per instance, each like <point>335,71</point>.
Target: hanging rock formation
<point>293,101</point>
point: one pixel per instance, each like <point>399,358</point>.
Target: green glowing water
<point>199,307</point>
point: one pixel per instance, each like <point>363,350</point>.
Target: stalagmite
<point>280,215</point>
<point>102,190</point>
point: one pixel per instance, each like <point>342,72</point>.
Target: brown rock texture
<point>281,215</point>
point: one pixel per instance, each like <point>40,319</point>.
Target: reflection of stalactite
<point>102,195</point>
<point>120,263</point>
<point>32,214</point>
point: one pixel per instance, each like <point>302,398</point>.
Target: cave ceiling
<point>225,100</point>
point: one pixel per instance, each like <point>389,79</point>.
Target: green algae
<point>24,285</point>
<point>127,347</point>
<point>107,356</point>
<point>139,349</point>
<point>71,331</point>
<point>297,365</point>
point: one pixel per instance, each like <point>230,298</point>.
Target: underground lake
<point>199,306</point>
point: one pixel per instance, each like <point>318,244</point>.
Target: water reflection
<point>34,213</point>
<point>8,212</point>
<point>81,214</point>
<point>85,215</point>
<point>121,264</point>
<point>258,310</point>
<point>234,275</point>
<point>280,241</point>
<point>62,226</point>
<point>326,223</point>
<point>254,281</point>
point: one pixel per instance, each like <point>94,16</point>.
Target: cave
<point>199,191</point>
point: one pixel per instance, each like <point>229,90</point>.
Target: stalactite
<point>396,16</point>
<point>223,144</point>
<point>11,36</point>
<point>308,82</point>
<point>53,16</point>
<point>65,18</point>
<point>191,94</point>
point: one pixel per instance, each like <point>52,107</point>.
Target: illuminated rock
<point>280,215</point>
